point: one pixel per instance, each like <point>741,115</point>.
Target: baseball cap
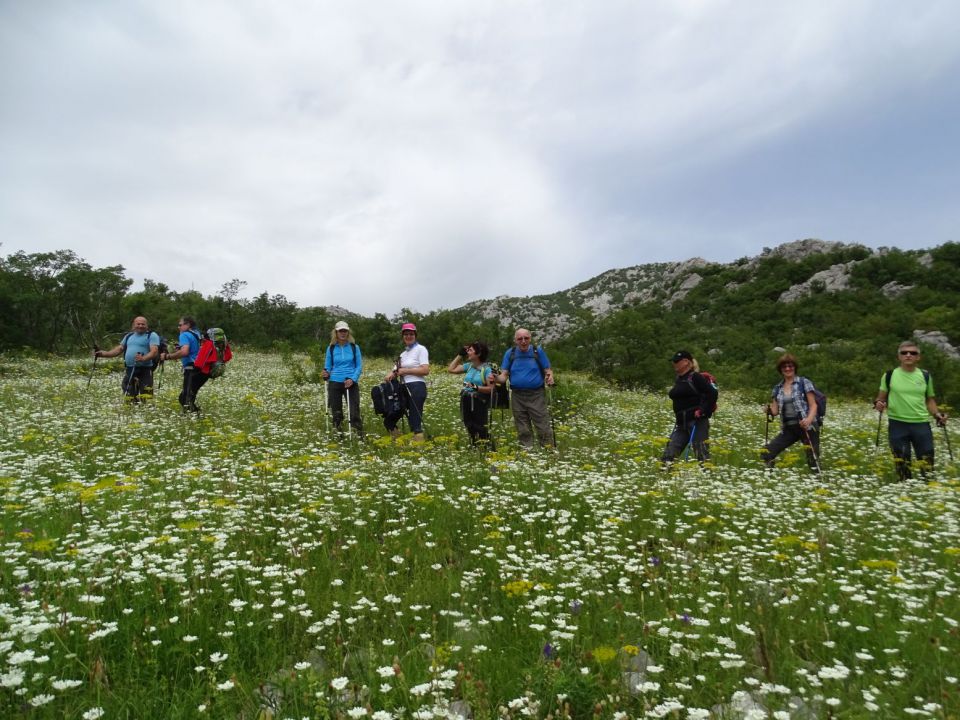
<point>408,326</point>
<point>341,326</point>
<point>681,355</point>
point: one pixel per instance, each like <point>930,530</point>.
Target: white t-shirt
<point>414,356</point>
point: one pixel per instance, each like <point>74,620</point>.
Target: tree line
<point>55,302</point>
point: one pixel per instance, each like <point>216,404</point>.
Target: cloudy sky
<point>386,154</point>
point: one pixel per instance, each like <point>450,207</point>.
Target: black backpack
<point>500,397</point>
<point>389,399</point>
<point>161,347</point>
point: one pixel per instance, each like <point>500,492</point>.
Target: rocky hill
<point>557,315</point>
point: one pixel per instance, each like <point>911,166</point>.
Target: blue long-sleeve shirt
<point>343,361</point>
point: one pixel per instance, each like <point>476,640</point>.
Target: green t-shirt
<point>907,395</point>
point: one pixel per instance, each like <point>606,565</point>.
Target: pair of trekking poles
<point>327,410</point>
<point>808,441</point>
<point>946,435</point>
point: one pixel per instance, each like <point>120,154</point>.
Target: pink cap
<point>408,326</point>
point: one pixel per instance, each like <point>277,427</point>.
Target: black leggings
<point>475,411</point>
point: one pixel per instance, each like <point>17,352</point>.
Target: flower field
<point>248,565</point>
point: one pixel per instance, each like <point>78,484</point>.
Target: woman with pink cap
<point>412,367</point>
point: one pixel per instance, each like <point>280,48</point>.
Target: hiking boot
<point>418,438</point>
<point>395,433</point>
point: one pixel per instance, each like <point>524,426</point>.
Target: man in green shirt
<point>907,394</point>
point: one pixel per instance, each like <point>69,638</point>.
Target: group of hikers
<point>143,350</point>
<point>906,393</point>
<point>403,392</point>
<point>523,379</point>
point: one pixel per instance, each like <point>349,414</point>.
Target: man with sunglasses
<point>907,394</point>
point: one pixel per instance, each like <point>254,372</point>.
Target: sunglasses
<point>787,365</point>
<point>909,352</point>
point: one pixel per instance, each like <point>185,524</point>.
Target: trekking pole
<point>349,417</point>
<point>766,431</point>
<point>693,432</point>
<point>326,410</point>
<point>946,436</point>
<point>93,368</point>
<point>553,424</point>
<point>813,451</point>
<point>160,376</point>
<point>879,424</point>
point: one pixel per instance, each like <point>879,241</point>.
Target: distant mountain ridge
<point>556,315</point>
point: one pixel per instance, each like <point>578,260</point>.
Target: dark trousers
<point>335,393</point>
<point>416,395</point>
<point>790,434</point>
<point>193,380</point>
<point>680,438</point>
<point>902,436</point>
<point>137,383</point>
<point>475,411</point>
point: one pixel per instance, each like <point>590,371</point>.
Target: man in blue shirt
<point>529,372</point>
<point>140,348</point>
<point>193,379</point>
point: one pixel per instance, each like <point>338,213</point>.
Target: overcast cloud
<point>425,154</point>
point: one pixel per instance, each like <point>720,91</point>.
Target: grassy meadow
<point>248,565</point>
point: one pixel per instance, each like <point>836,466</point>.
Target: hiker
<point>140,348</point>
<point>529,372</point>
<point>411,368</point>
<point>793,399</point>
<point>188,345</point>
<point>478,385</point>
<point>693,399</point>
<point>906,393</point>
<point>342,367</point>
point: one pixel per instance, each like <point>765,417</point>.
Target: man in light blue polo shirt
<point>140,348</point>
<point>529,372</point>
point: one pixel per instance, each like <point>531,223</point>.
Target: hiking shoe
<point>395,433</point>
<point>418,438</point>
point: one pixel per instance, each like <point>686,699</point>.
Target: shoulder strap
<point>926,379</point>
<point>353,346</point>
<point>508,363</point>
<point>536,356</point>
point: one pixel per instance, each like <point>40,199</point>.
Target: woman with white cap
<point>342,367</point>
<point>412,367</point>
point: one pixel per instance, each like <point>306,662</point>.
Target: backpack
<point>821,399</point>
<point>500,397</point>
<point>214,354</point>
<point>389,400</point>
<point>161,347</point>
<point>713,384</point>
